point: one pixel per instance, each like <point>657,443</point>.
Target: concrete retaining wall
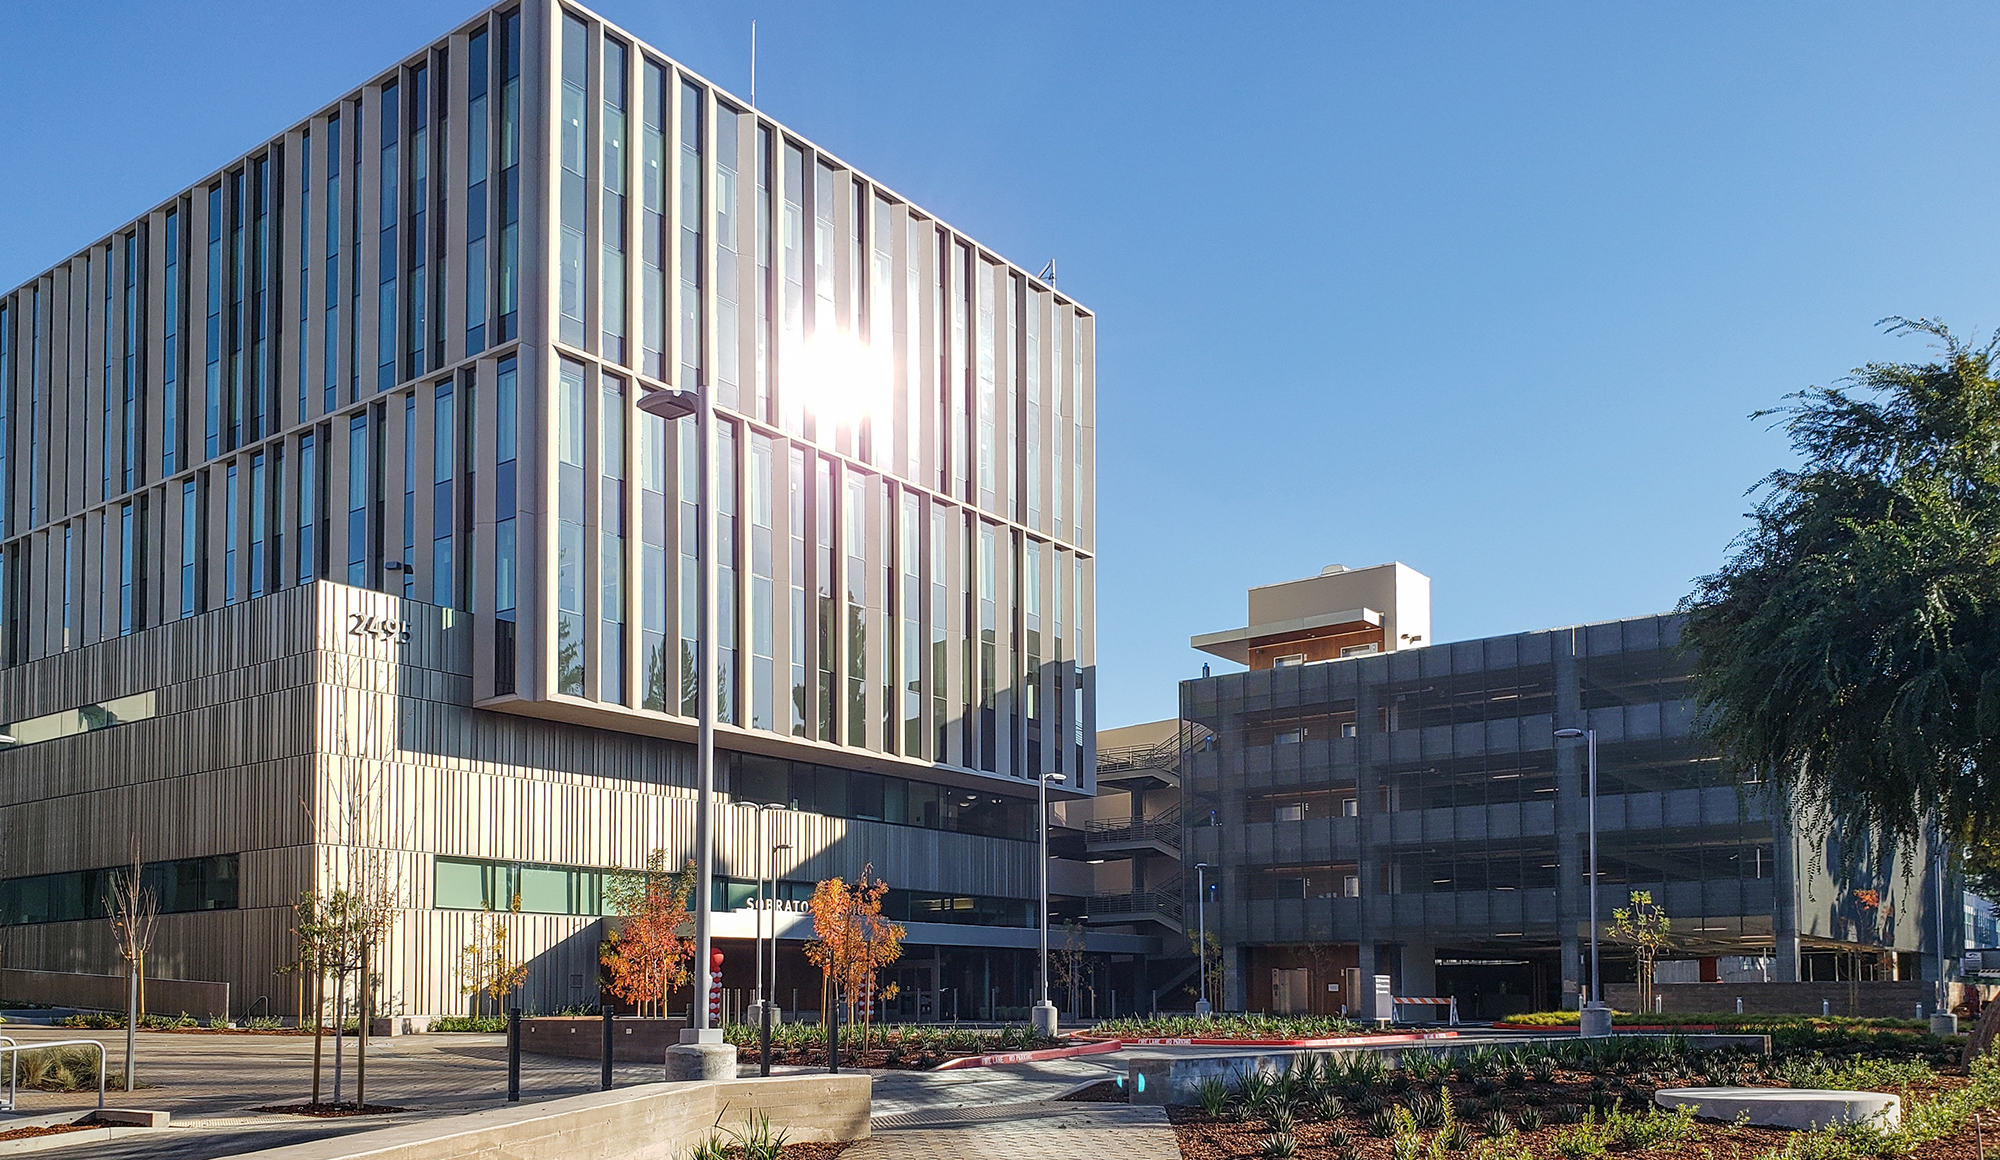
<point>1174,1081</point>
<point>1890,1000</point>
<point>582,1037</point>
<point>660,1121</point>
<point>109,992</point>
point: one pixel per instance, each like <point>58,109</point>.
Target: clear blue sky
<point>1488,289</point>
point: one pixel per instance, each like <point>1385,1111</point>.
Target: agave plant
<point>1381,1123</point>
<point>1454,1137</point>
<point>1484,1086</point>
<point>1427,1110</point>
<point>1543,1068</point>
<point>1530,1119</point>
<point>1278,1146</point>
<point>1329,1107</point>
<point>1517,1077</point>
<point>1497,1123</point>
<point>1339,1138</point>
<point>1566,1114</point>
<point>1281,1118</point>
<point>1212,1093</point>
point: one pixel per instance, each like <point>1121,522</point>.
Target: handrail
<point>14,1050</point>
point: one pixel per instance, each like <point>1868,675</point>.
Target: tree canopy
<point>1850,644</point>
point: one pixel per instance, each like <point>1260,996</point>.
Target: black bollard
<point>514,1056</point>
<point>764,1040</point>
<point>833,1036</point>
<point>604,1082</point>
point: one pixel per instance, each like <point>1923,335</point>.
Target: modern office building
<point>332,536</point>
<point>1370,801</point>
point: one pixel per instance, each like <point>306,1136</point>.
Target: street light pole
<point>1595,1019</point>
<point>1045,1011</point>
<point>1202,1006</point>
<point>706,1040</point>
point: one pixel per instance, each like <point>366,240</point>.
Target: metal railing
<point>1166,755</point>
<point>13,1052</point>
<point>1164,830</point>
<point>1141,904</point>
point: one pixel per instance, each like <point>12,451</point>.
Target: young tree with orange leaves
<point>648,957</point>
<point>851,942</point>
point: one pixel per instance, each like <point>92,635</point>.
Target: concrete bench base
<point>1796,1108</point>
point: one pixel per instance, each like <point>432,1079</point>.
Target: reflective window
<point>611,225</point>
<point>693,117</point>
<point>388,257</point>
<point>571,632</point>
<point>478,128</point>
<point>611,535</point>
<point>571,195</point>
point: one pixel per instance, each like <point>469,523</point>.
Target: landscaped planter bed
<point>917,1047</point>
<point>1385,1118</point>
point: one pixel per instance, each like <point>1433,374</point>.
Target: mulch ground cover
<point>1203,1137</point>
<point>815,1151</point>
<point>1104,1091</point>
<point>329,1111</point>
<point>51,1130</point>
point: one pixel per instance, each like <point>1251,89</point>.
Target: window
<point>125,548</point>
<point>762,586</point>
<point>653,229</point>
<point>259,293</point>
<point>233,320</point>
<point>444,460</point>
<point>133,336</point>
<point>180,887</point>
<point>692,208</point>
<point>510,177</point>
<point>417,245</point>
<point>854,536</point>
<point>690,563</point>
<point>84,719</point>
<point>728,334</point>
<point>191,525</point>
<point>330,339</point>
<point>611,299</point>
<point>389,254</point>
<point>309,521</point>
<point>611,535</point>
<point>654,577</point>
<point>231,529</point>
<point>796,521</point>
<point>507,439</point>
<point>571,196</point>
<point>727,511</point>
<point>1288,660</point>
<point>478,128</point>
<point>257,521</point>
<point>170,353</point>
<point>212,410</point>
<point>408,560</point>
<point>357,502</point>
<point>571,632</point>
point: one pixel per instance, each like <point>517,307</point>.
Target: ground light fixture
<point>1595,1018</point>
<point>1045,1011</point>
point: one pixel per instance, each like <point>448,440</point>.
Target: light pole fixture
<point>699,406</point>
<point>1595,1018</point>
<point>757,911</point>
<point>1202,1007</point>
<point>1045,1011</point>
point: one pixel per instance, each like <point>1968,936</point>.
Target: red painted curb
<point>1702,1028</point>
<point>1337,1041</point>
<point>1027,1056</point>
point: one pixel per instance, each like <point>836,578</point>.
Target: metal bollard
<point>764,1039</point>
<point>1826,1007</point>
<point>1739,1004</point>
<point>604,1081</point>
<point>514,1055</point>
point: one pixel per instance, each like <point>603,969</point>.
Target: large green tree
<point>1850,645</point>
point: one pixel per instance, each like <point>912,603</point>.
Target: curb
<point>1337,1041</point>
<point>1699,1028</point>
<point>1028,1056</point>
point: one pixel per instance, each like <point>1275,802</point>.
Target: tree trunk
<point>339,1027</point>
<point>1985,1035</point>
<point>131,1023</point>
<point>361,1043</point>
<point>319,1023</point>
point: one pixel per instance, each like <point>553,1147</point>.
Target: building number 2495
<point>378,628</point>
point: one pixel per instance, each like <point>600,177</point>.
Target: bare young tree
<point>134,909</point>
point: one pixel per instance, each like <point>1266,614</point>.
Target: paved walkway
<point>1032,1131</point>
<point>1010,1113</point>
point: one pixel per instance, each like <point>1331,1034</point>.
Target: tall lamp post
<point>1202,1007</point>
<point>1045,1011</point>
<point>757,911</point>
<point>1595,1018</point>
<point>702,1054</point>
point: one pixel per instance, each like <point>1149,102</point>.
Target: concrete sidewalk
<point>1011,1113</point>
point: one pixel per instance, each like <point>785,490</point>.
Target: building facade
<point>356,418</point>
<point>1372,802</point>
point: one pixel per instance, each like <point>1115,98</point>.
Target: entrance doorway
<point>1291,990</point>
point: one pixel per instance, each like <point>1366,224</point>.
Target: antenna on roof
<point>1048,273</point>
<point>753,64</point>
